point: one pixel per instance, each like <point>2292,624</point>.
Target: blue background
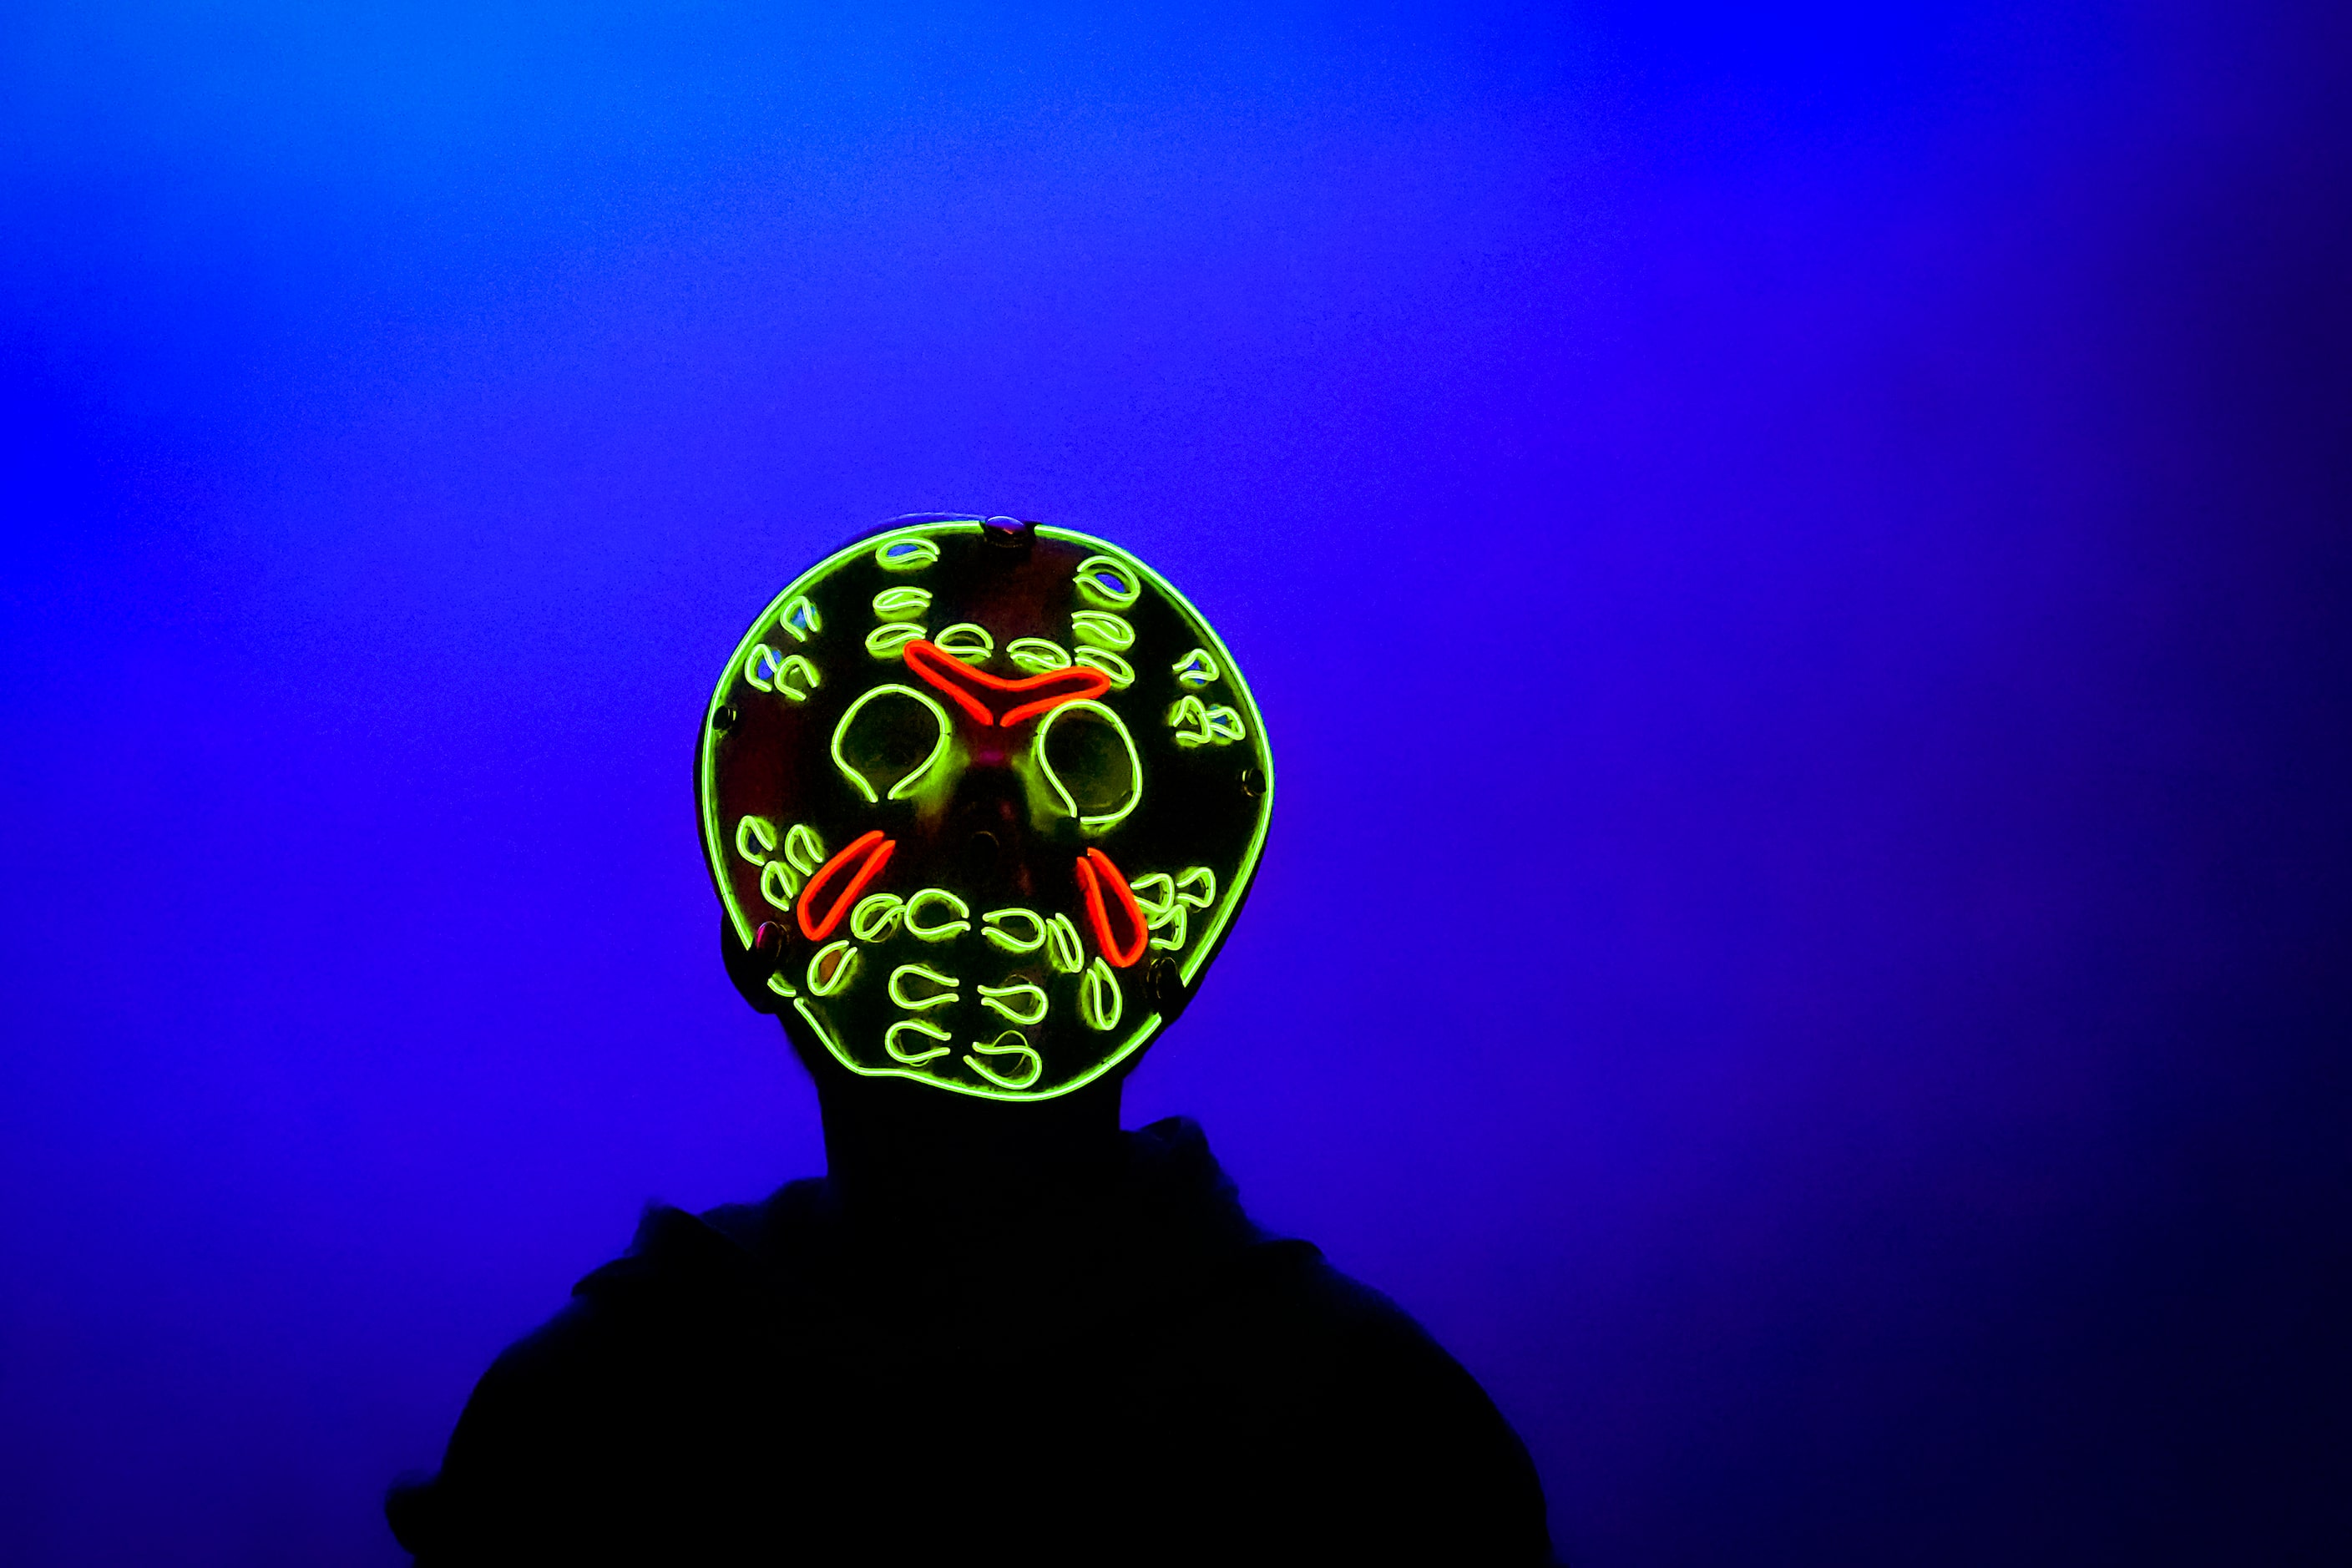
<point>1796,562</point>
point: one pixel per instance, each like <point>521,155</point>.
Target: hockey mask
<point>982,800</point>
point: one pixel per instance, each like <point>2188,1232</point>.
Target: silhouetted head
<point>982,799</point>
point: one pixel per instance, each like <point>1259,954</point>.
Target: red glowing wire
<point>875,859</point>
<point>1093,870</point>
<point>952,676</point>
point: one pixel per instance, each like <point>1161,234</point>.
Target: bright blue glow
<point>1860,473</point>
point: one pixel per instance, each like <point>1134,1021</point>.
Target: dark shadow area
<point>991,1334</point>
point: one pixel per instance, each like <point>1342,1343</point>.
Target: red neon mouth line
<point>954,679</point>
<point>1094,870</point>
<point>877,856</point>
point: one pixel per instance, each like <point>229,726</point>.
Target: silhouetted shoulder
<point>1138,1375</point>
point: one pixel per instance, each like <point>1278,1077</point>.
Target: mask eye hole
<point>1088,760</point>
<point>889,742</point>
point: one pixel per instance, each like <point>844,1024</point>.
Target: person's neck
<point>899,1152</point>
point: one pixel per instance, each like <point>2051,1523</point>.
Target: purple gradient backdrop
<point>1796,562</point>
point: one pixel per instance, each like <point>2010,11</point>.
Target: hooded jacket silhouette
<point>1121,1369</point>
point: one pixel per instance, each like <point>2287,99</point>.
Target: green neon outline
<point>997,1047</point>
<point>785,886</point>
<point>781,986</point>
<point>1006,940</point>
<point>831,1042</point>
<point>808,676</point>
<point>804,848</point>
<point>902,604</point>
<point>885,641</point>
<point>994,997</point>
<point>1099,982</point>
<point>1097,628</point>
<point>946,931</point>
<point>1090,587</point>
<point>963,646</point>
<point>808,624</point>
<point>1205,946</point>
<point>1121,673</point>
<point>923,1026</point>
<point>1189,709</point>
<point>762,653</point>
<point>1220,725</point>
<point>1062,950</point>
<point>1155,906</point>
<point>816,1022</point>
<point>1177,918</point>
<point>905,787</point>
<point>923,1004</point>
<point>845,968</point>
<point>1197,874</point>
<point>1195,668</point>
<point>712,736</point>
<point>875,917</point>
<point>761,829</point>
<point>1134,762</point>
<point>922,555</point>
<point>1037,655</point>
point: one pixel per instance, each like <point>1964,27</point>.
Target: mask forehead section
<point>1002,803</point>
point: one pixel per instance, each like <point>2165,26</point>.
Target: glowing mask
<point>987,797</point>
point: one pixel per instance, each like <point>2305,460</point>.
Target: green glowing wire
<point>875,917</point>
<point>1100,820</point>
<point>760,831</point>
<point>997,1047</point>
<point>1117,590</point>
<point>1174,921</point>
<point>1061,949</point>
<point>922,1026</point>
<point>1195,668</point>
<point>1202,879</point>
<point>948,929</point>
<point>1036,655</point>
<point>1001,999</point>
<point>1136,1040</point>
<point>1121,673</point>
<point>781,986</point>
<point>799,618</point>
<point>777,884</point>
<point>823,981</point>
<point>1098,997</point>
<point>905,554</point>
<point>779,667</point>
<point>818,1023</point>
<point>905,972</point>
<point>901,604</point>
<point>906,551</point>
<point>1219,725</point>
<point>1155,895</point>
<point>1005,939</point>
<point>905,787</point>
<point>968,640</point>
<point>807,675</point>
<point>804,848</point>
<point>885,640</point>
<point>1100,630</point>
